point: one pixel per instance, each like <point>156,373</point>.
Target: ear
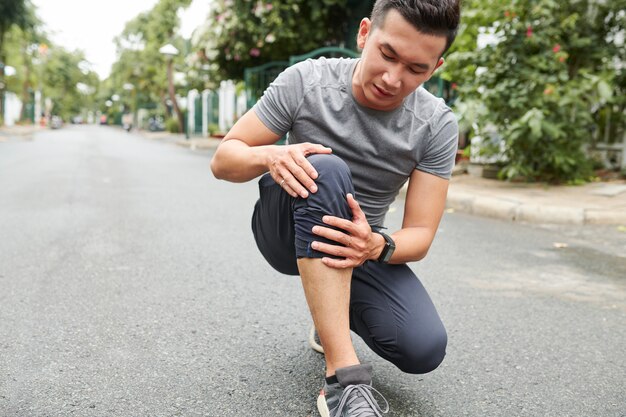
<point>440,63</point>
<point>364,30</point>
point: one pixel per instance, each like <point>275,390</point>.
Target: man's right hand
<point>290,169</point>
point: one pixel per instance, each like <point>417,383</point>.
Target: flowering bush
<point>549,75</point>
<point>247,33</point>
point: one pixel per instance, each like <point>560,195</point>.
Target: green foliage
<point>140,64</point>
<point>13,12</point>
<point>544,83</point>
<point>62,76</point>
<point>171,125</point>
<point>64,72</point>
<point>213,128</point>
<point>244,33</point>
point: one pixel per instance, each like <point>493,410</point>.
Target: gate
<point>327,51</point>
<point>257,79</point>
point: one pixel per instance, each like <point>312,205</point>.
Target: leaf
<point>535,126</point>
<point>605,91</point>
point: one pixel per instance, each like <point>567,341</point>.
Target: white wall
<point>12,108</point>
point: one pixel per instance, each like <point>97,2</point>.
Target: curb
<point>511,210</point>
<point>194,144</point>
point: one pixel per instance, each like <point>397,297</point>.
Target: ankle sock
<point>332,379</point>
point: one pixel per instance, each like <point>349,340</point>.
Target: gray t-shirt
<point>313,101</point>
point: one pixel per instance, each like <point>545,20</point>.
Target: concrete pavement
<point>594,203</point>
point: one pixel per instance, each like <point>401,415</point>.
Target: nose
<point>392,76</point>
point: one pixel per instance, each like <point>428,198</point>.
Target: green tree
<point>12,13</point>
<point>25,49</point>
<point>69,83</point>
<point>244,33</point>
<point>552,72</point>
<point>139,62</point>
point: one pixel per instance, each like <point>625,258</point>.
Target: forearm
<point>236,161</point>
<point>412,244</point>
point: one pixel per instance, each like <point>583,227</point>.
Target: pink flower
<point>454,86</point>
<point>237,57</point>
<point>255,52</point>
<point>269,6</point>
<point>507,13</point>
<point>529,31</point>
<point>556,48</point>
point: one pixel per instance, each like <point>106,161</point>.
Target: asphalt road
<point>130,285</point>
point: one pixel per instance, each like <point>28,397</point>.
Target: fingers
<point>354,205</point>
<point>293,172</point>
<point>335,250</point>
<point>339,263</point>
<point>334,235</point>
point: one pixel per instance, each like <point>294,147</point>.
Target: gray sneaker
<point>353,396</point>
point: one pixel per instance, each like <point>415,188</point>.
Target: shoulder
<point>322,71</point>
<point>426,106</point>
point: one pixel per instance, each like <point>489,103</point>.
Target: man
<point>358,131</point>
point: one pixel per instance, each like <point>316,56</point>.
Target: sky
<point>91,25</point>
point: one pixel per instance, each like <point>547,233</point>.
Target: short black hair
<point>430,17</point>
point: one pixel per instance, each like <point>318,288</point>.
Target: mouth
<point>382,92</point>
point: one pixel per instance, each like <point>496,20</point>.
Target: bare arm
<point>248,151</point>
<point>423,208</point>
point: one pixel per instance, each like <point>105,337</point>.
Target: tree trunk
<point>25,95</point>
<point>2,82</point>
<point>170,81</point>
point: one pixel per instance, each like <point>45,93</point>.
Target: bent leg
<point>327,290</point>
<point>391,310</point>
<point>273,227</point>
<point>282,224</point>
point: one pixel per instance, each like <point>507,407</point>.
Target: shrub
<point>171,125</point>
<point>544,81</point>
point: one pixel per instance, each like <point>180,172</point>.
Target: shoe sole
<point>312,343</point>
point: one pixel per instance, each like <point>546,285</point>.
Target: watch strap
<point>388,250</point>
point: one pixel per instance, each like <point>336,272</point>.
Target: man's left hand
<point>358,242</point>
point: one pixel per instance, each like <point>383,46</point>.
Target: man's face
<point>396,59</point>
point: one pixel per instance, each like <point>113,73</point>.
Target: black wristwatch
<point>390,246</point>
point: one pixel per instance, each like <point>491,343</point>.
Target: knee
<point>328,164</point>
<point>333,182</point>
<point>421,355</point>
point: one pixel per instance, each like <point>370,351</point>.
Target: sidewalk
<point>595,203</point>
<point>24,132</point>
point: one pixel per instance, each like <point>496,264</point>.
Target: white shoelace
<point>359,401</point>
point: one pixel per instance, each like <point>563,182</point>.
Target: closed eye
<point>386,57</point>
<point>392,59</point>
<point>416,72</point>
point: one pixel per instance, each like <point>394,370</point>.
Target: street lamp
<point>170,52</point>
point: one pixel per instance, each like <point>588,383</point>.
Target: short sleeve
<point>278,106</point>
<point>440,153</point>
